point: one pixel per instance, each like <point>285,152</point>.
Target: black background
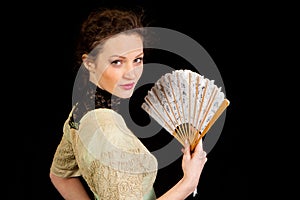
<point>46,32</point>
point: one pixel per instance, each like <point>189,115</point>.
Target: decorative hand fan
<point>186,104</point>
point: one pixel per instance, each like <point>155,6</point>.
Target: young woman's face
<point>119,65</point>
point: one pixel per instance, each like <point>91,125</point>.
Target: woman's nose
<point>130,71</point>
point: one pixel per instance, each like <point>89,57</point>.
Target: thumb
<point>199,146</point>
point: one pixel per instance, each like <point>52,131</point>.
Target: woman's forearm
<point>179,191</point>
<point>69,188</point>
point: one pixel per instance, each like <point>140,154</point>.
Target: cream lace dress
<point>112,160</point>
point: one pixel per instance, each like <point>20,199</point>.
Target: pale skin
<point>117,69</point>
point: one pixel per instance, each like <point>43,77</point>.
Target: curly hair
<point>102,24</point>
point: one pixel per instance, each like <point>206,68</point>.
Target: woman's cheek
<point>138,72</point>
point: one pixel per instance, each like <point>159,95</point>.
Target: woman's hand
<point>192,164</point>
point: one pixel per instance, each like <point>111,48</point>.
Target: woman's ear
<point>88,63</point>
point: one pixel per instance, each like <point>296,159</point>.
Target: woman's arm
<point>69,188</point>
<point>192,166</point>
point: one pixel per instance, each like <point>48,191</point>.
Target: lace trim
<point>94,98</point>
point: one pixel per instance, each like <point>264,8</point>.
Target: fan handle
<point>218,113</point>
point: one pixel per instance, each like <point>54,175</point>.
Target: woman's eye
<point>116,62</point>
<point>138,60</point>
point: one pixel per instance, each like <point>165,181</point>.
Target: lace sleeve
<point>64,163</point>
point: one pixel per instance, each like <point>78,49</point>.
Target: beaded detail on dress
<point>94,98</point>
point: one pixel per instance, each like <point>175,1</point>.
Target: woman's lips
<point>127,86</point>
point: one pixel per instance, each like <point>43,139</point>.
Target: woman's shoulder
<point>101,114</point>
<point>106,125</point>
<point>103,118</point>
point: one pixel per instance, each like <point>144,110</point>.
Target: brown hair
<point>102,24</point>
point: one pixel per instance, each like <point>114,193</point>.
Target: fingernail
<point>186,142</point>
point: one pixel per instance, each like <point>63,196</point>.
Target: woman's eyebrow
<point>139,54</point>
<point>123,57</point>
<point>118,56</point>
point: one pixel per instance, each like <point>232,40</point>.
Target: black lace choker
<point>94,98</point>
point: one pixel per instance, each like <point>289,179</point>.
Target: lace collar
<point>94,98</point>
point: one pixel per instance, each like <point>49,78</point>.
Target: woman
<point>96,143</point>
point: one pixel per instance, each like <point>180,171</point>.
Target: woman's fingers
<point>202,155</point>
<point>199,146</point>
<point>186,150</point>
<point>199,152</point>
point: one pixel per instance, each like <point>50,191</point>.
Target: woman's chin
<point>124,95</point>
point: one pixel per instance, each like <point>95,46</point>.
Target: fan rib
<point>174,125</point>
<point>195,108</point>
<point>189,120</point>
<point>158,113</point>
<point>199,114</point>
<point>176,122</point>
<point>218,113</point>
<point>181,131</point>
<point>178,83</point>
<point>201,104</point>
<point>162,118</point>
<point>211,99</point>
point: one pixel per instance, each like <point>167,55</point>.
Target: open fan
<point>186,104</point>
